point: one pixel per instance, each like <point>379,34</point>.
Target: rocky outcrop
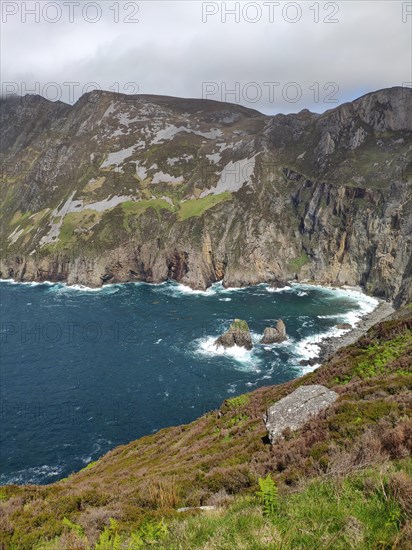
<point>274,335</point>
<point>148,188</point>
<point>293,411</point>
<point>237,335</point>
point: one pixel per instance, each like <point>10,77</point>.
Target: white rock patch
<point>161,177</point>
<point>233,176</point>
<point>118,157</point>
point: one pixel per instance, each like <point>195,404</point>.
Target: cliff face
<point>129,188</point>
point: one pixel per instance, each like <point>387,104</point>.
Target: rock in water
<point>237,335</point>
<point>294,410</point>
<point>275,335</point>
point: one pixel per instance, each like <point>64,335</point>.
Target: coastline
<point>330,345</point>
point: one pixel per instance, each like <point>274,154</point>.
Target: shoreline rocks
<point>344,326</point>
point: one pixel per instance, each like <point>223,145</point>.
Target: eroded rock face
<point>294,410</point>
<point>216,199</point>
<point>274,335</point>
<point>237,335</point>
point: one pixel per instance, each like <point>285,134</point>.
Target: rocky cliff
<point>144,188</point>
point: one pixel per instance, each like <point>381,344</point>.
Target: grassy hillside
<point>342,481</point>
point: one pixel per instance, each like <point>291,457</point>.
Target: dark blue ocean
<point>83,371</point>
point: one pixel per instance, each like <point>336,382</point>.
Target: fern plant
<point>75,527</point>
<point>268,495</point>
<point>109,539</point>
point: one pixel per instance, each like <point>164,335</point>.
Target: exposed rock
<point>237,335</point>
<point>309,362</point>
<point>275,335</point>
<point>344,326</point>
<point>203,508</point>
<point>278,283</point>
<point>294,410</point>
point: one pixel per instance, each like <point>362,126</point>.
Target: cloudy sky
<point>272,56</point>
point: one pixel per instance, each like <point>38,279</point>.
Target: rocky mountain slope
<point>129,188</point>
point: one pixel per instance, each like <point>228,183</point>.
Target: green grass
<point>239,324</point>
<point>378,356</point>
<point>297,264</point>
<point>196,207</point>
<point>375,359</point>
<point>239,401</point>
<point>132,209</point>
<point>356,512</point>
<point>75,222</point>
<point>138,207</point>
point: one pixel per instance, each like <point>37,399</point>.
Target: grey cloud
<point>172,52</point>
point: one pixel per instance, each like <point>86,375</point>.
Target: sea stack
<point>237,335</point>
<point>275,335</point>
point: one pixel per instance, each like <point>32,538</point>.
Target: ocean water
<point>85,370</point>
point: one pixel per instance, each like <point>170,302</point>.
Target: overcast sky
<point>272,56</point>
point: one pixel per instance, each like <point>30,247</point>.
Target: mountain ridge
<point>152,187</point>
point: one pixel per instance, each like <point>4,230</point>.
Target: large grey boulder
<point>274,335</point>
<point>294,410</point>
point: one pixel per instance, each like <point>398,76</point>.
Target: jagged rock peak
<point>275,335</point>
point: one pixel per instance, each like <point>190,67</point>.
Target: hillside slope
<point>367,432</point>
<point>126,188</point>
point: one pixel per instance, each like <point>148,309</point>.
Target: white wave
<point>33,475</point>
<point>282,289</point>
<point>179,289</point>
<point>336,316</point>
<point>65,288</point>
<point>245,358</point>
<point>59,286</point>
<point>27,283</point>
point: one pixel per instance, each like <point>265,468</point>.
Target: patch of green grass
<point>239,401</point>
<point>132,210</point>
<point>239,324</point>
<point>238,419</point>
<point>196,207</point>
<point>138,207</point>
<point>376,359</point>
<point>90,465</point>
<point>356,512</point>
<point>75,223</point>
<point>297,264</point>
<point>378,356</point>
<point>19,217</point>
